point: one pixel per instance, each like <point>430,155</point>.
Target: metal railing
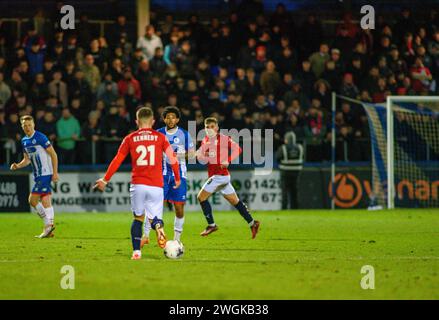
<point>93,152</point>
<point>96,154</point>
<point>19,22</point>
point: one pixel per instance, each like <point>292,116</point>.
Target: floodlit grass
<point>297,255</point>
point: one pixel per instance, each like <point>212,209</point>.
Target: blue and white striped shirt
<point>35,147</point>
<point>181,143</point>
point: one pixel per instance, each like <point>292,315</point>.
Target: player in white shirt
<point>38,152</point>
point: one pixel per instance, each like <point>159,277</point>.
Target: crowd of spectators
<point>265,71</point>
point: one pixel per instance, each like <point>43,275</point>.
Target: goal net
<point>405,151</point>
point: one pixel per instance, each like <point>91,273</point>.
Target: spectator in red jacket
<point>421,76</point>
<point>127,81</point>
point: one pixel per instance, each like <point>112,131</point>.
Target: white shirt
<point>148,46</point>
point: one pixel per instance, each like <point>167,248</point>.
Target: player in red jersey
<point>146,147</point>
<point>219,151</point>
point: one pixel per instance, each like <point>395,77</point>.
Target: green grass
<point>297,255</point>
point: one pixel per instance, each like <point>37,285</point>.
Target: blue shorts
<point>42,185</point>
<point>174,195</point>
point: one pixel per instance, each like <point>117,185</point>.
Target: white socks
<point>178,228</point>
<point>42,213</point>
<point>47,214</point>
<point>146,228</point>
<point>50,214</point>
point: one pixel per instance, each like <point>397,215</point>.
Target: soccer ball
<point>174,249</point>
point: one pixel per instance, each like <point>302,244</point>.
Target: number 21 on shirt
<point>143,154</point>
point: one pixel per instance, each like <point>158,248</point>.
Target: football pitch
<point>303,254</point>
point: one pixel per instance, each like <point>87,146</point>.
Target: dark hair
<point>173,110</point>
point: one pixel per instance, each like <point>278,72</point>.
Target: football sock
<point>42,213</point>
<point>156,222</point>
<point>50,214</point>
<point>146,228</point>
<point>136,234</point>
<point>243,211</point>
<point>178,228</point>
<point>207,211</point>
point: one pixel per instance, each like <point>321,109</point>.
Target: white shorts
<point>218,183</point>
<point>146,200</point>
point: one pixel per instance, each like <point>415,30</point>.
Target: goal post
<point>404,150</point>
<point>412,150</point>
<point>390,155</point>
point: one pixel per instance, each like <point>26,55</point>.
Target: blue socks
<point>156,222</point>
<point>240,206</point>
<point>243,211</point>
<point>207,211</point>
<point>136,234</point>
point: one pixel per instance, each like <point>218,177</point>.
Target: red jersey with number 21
<point>146,147</point>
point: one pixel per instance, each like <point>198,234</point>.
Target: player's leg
<point>206,191</point>
<point>147,224</point>
<point>179,220</point>
<point>154,207</point>
<point>45,190</point>
<point>136,235</point>
<point>230,195</point>
<point>41,201</point>
<point>137,197</point>
<point>46,202</point>
<point>34,199</point>
<point>34,202</point>
<point>146,232</point>
<point>178,198</point>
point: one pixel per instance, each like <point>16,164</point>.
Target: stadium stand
<point>251,69</point>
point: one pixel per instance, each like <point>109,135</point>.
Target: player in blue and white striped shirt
<point>38,152</point>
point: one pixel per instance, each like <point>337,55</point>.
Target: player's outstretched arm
<point>23,163</point>
<point>52,153</point>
